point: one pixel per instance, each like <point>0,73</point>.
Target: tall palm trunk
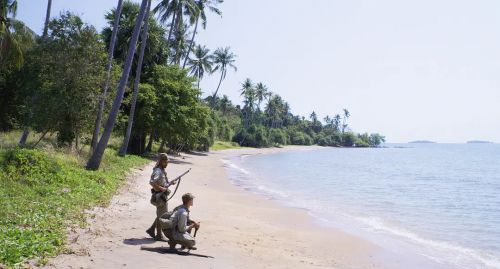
<point>26,131</point>
<point>144,39</point>
<point>47,19</point>
<point>172,26</point>
<point>96,158</point>
<point>100,110</point>
<point>191,43</point>
<point>215,94</point>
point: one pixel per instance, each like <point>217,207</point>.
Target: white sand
<point>239,229</point>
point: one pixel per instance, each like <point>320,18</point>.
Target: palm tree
<point>336,122</point>
<point>175,9</point>
<point>202,5</point>
<point>223,59</point>
<point>248,93</point>
<point>116,25</point>
<point>344,120</point>
<point>261,93</point>
<point>224,104</point>
<point>179,43</point>
<point>202,62</point>
<point>246,87</point>
<point>144,39</point>
<point>9,45</point>
<point>96,158</point>
<point>47,19</point>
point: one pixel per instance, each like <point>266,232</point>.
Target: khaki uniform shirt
<point>159,177</point>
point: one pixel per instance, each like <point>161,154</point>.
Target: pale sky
<point>406,69</point>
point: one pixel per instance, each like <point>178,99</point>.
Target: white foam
<point>230,164</point>
<point>440,251</point>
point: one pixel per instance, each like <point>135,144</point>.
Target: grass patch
<point>221,145</point>
<point>42,193</point>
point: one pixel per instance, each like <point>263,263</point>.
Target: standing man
<point>159,193</point>
<point>181,230</point>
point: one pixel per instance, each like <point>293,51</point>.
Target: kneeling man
<point>181,230</point>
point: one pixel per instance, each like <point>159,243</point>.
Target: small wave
<point>467,258</point>
<point>242,179</point>
<point>229,164</point>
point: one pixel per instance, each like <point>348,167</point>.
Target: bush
<point>254,136</point>
<point>278,136</point>
<point>31,167</point>
<point>300,138</point>
<point>349,139</point>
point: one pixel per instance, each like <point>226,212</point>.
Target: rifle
<point>174,180</point>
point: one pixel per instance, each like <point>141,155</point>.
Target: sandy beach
<point>239,229</point>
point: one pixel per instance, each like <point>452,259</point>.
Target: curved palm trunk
<point>47,19</point>
<point>100,110</point>
<point>144,39</point>
<point>191,44</point>
<point>96,158</point>
<point>215,94</point>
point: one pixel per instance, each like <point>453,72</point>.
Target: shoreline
<point>239,229</point>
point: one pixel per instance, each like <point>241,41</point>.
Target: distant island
<point>479,142</point>
<point>422,142</point>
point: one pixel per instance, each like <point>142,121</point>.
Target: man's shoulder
<point>156,169</point>
<point>182,210</point>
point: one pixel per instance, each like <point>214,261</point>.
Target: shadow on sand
<point>165,250</point>
<point>138,241</point>
<point>196,153</point>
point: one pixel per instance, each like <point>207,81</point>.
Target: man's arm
<point>157,187</point>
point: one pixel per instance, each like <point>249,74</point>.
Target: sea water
<point>438,201</point>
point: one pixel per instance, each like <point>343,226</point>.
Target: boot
<point>151,230</point>
<point>159,233</point>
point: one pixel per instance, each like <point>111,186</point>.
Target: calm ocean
<point>438,201</point>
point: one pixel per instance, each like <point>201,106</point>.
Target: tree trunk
<point>47,19</point>
<point>96,158</point>
<point>137,144</point>
<point>191,44</point>
<point>100,110</point>
<point>24,137</point>
<point>215,94</point>
<point>144,39</point>
<point>162,146</point>
<point>149,147</point>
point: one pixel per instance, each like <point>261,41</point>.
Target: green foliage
<point>31,167</point>
<point>300,138</point>
<point>177,115</point>
<point>278,136</point>
<point>66,72</point>
<point>41,194</point>
<point>254,136</point>
<point>221,145</point>
<point>349,139</point>
<point>156,46</point>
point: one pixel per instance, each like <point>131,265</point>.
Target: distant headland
<point>479,142</point>
<point>422,142</point>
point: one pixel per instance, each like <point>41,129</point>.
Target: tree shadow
<point>177,161</point>
<point>138,241</point>
<point>165,250</point>
<point>196,153</point>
